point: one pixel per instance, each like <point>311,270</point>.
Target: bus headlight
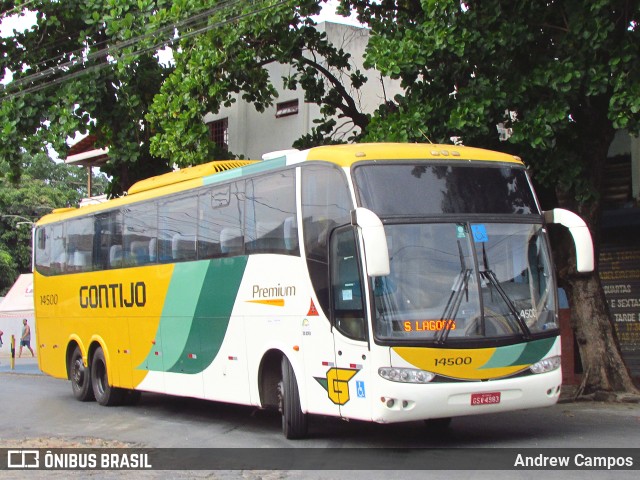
<point>405,375</point>
<point>546,365</point>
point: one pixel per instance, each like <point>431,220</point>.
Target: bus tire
<point>80,377</point>
<point>105,394</point>
<point>294,422</point>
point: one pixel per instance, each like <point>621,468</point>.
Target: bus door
<point>351,376</point>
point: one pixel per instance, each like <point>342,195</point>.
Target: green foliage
<point>8,272</point>
<point>229,61</point>
<point>43,186</point>
<point>567,69</point>
<point>75,71</point>
<point>562,76</point>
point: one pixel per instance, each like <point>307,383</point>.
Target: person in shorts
<point>25,339</point>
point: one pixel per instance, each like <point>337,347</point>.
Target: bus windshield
<point>427,189</point>
<point>465,281</point>
<point>468,255</point>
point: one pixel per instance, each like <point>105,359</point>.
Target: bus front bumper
<point>402,402</point>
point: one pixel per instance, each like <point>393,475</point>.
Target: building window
<point>284,109</point>
<point>219,133</point>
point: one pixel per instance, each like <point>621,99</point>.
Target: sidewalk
<point>24,365</point>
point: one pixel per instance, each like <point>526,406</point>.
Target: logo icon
<point>336,384</point>
<point>23,459</point>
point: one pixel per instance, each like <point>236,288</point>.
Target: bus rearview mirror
<point>580,234</point>
<point>376,254</point>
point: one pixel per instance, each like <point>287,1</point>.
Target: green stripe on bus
<point>217,296</point>
<point>536,351</point>
<point>196,315</point>
<point>520,354</point>
<point>505,356</point>
<point>259,167</point>
<point>179,309</point>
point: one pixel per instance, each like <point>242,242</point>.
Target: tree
<point>560,77</point>
<point>43,186</point>
<point>229,60</point>
<point>79,69</point>
<point>8,272</point>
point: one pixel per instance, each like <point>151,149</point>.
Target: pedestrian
<point>25,340</point>
<point>1,333</point>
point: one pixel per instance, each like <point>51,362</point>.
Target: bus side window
<point>270,202</point>
<point>326,203</point>
<point>140,226</point>
<point>220,214</point>
<point>346,284</point>
<point>178,221</point>
<point>107,241</point>
<point>115,256</point>
<point>231,241</point>
<point>58,250</point>
<point>291,234</point>
<point>79,236</point>
<point>183,247</point>
<point>43,250</point>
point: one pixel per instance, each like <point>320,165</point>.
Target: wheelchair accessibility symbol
<point>360,389</point>
<point>479,233</point>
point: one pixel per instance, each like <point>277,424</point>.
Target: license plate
<point>488,398</point>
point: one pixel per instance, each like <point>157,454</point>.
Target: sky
<point>16,22</point>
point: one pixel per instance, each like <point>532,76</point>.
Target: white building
<point>244,131</point>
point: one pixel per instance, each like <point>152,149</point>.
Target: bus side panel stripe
<point>179,310</point>
<point>536,351</point>
<point>240,172</point>
<point>217,293</point>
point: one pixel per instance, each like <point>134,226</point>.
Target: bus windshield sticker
<point>479,233</point>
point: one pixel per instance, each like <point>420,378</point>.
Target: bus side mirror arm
<point>580,234</point>
<point>376,254</point>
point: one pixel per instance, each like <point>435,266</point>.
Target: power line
<point>192,21</point>
<point>112,50</point>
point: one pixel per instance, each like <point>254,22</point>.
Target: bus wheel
<point>294,422</point>
<point>80,377</point>
<point>106,395</point>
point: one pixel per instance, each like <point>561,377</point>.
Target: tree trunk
<point>604,369</point>
<point>603,366</point>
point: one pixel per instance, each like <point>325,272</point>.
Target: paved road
<point>39,408</point>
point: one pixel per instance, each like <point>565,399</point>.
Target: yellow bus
<point>378,282</point>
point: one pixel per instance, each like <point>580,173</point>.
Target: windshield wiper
<point>459,288</point>
<point>491,277</point>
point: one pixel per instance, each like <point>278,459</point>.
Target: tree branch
<point>348,107</point>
